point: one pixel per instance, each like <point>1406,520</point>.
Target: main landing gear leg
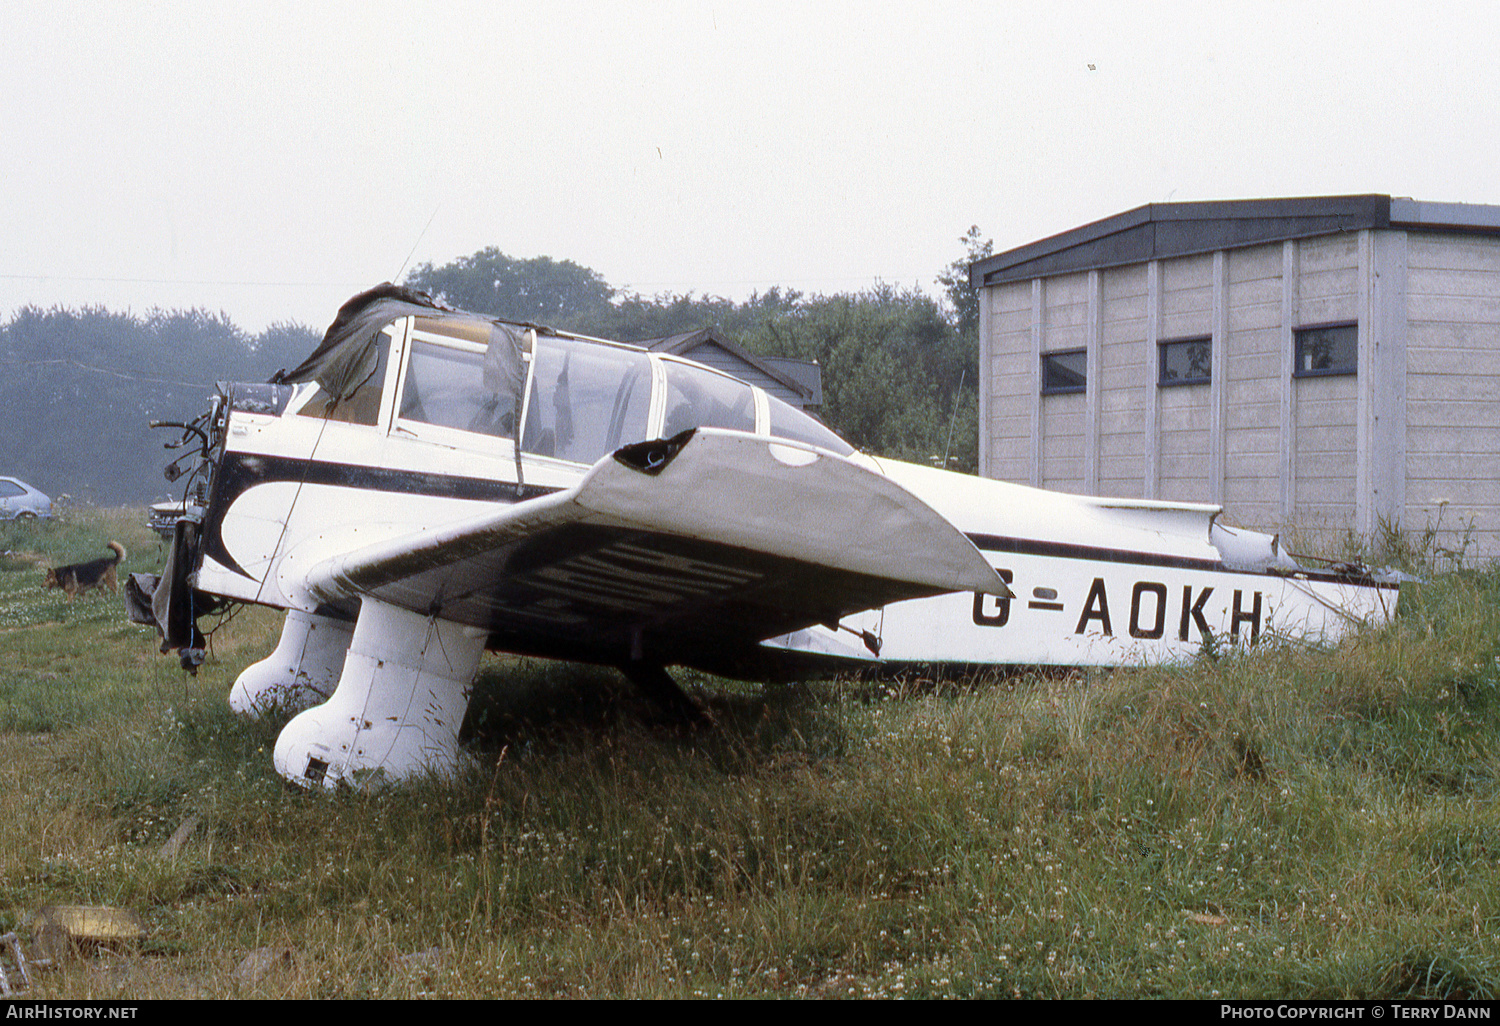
<point>400,702</point>
<point>303,670</point>
<point>666,694</point>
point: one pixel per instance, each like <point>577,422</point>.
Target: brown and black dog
<point>80,577</point>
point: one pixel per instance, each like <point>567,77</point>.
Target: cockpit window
<point>586,400</point>
<point>446,387</point>
<point>362,406</point>
<point>789,422</point>
<point>701,398</point>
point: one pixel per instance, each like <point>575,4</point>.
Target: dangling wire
<point>301,481</point>
<point>414,245</point>
<point>328,412</point>
<point>953,421</point>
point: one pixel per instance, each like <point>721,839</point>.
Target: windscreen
<point>789,422</point>
<point>697,397</point>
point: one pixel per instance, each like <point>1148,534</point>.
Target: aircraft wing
<point>690,550</point>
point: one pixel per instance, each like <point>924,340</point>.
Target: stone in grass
<point>59,930</point>
<point>260,963</point>
<point>429,961</point>
<point>174,844</point>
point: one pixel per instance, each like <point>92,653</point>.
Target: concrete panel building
<point>1329,364</point>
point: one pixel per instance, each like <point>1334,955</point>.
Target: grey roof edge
<point>1162,230</point>
<point>806,372</point>
<point>679,344</point>
<point>1410,213</point>
<point>676,344</point>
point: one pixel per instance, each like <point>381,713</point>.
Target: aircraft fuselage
<point>432,484</point>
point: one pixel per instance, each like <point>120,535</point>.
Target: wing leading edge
<point>686,551</point>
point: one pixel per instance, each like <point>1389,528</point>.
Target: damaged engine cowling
<point>170,603</point>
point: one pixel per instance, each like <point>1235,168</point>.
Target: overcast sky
<point>269,160</point>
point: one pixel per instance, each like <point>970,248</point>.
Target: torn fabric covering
<point>162,595</point>
<point>505,371</point>
<point>168,602</point>
<point>139,592</point>
<point>504,366</point>
<point>172,601</point>
<point>346,356</point>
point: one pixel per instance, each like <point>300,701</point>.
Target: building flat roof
<point>1160,230</point>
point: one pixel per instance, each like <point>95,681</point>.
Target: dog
<point>80,577</point>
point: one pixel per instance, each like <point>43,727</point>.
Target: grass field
<point>1286,823</point>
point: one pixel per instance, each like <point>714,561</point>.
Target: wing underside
<point>690,551</point>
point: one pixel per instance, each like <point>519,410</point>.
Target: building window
<point>1327,349</point>
<point>1185,361</point>
<point>1065,372</point>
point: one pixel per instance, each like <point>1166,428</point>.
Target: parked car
<point>162,517</point>
<point>20,501</point>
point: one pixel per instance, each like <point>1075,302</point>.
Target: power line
<point>103,370</point>
<point>363,284</point>
<point>186,281</point>
<point>872,278</point>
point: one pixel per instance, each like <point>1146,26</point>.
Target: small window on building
<point>1064,372</point>
<point>1327,349</point>
<point>1186,361</point>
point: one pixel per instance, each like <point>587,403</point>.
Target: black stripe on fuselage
<point>257,469</point>
<point>1065,550</point>
<point>238,472</point>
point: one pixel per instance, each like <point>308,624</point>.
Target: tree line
<point>79,387</point>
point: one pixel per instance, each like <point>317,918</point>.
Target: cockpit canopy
<point>468,381</point>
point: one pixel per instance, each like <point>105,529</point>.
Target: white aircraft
<point>432,483</point>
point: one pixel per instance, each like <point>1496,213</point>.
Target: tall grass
<point>1286,822</point>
